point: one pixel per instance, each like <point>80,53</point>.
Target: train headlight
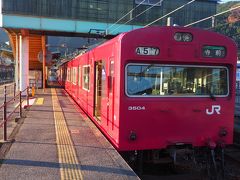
<point>223,132</point>
<point>187,37</point>
<point>183,37</point>
<point>133,136</point>
<point>178,37</point>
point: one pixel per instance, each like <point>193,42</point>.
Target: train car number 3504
<point>136,108</point>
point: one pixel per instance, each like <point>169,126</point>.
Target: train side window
<point>68,74</point>
<point>65,74</point>
<point>79,75</point>
<point>103,79</point>
<point>85,77</point>
<point>111,77</point>
<point>74,75</point>
<point>60,76</point>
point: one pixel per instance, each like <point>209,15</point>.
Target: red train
<point>158,87</point>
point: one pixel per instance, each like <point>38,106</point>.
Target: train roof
<point>162,29</point>
<point>155,29</point>
<point>150,31</point>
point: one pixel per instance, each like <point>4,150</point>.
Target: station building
<point>109,11</point>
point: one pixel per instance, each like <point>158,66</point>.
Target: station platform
<point>56,140</point>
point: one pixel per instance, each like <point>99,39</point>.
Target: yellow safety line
<point>69,164</point>
<point>39,101</point>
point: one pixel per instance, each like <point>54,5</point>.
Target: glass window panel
<point>157,80</point>
<point>103,80</point>
<point>79,76</point>
<point>85,80</point>
<point>74,76</point>
<point>148,2</point>
<point>111,70</point>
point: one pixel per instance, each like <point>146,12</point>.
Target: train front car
<point>178,90</point>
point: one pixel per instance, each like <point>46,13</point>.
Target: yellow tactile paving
<point>70,167</point>
<point>39,101</point>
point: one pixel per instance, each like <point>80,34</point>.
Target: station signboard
<point>35,78</point>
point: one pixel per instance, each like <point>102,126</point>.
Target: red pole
<point>5,115</point>
<point>20,104</point>
<point>27,96</point>
<point>14,91</point>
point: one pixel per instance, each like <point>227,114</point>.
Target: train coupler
<point>182,155</point>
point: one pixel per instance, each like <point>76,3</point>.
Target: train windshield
<point>168,80</point>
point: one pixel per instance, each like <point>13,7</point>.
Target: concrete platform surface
<point>57,141</point>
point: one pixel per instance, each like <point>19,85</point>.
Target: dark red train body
<point>156,87</point>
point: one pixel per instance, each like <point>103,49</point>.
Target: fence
<point>5,81</point>
<point>237,93</point>
<point>11,98</point>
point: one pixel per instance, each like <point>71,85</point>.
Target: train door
<point>110,121</point>
<point>100,79</point>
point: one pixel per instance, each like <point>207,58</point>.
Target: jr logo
<point>215,109</point>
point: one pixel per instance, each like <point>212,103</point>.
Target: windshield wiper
<point>212,96</point>
<point>147,68</point>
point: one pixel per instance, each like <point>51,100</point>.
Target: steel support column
<point>17,64</point>
<point>24,61</point>
<point>44,61</point>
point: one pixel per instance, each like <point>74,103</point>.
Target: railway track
<point>170,172</point>
<point>233,153</point>
<point>232,156</point>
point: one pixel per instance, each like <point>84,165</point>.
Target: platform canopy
<point>35,47</point>
<point>74,17</point>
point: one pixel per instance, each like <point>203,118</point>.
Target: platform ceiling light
<point>183,37</point>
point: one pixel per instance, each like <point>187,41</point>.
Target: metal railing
<point>237,101</point>
<point>5,105</point>
<point>237,97</point>
<point>2,82</point>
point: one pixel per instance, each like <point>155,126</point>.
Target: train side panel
<point>103,96</point>
<point>92,74</point>
<point>68,83</point>
<point>74,79</point>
